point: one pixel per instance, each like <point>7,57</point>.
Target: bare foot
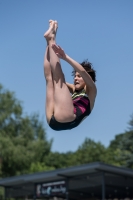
<point>56,26</point>
<point>50,33</point>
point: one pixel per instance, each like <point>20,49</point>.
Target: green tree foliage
<point>114,144</point>
<point>113,151</point>
<point>39,167</point>
<point>125,156</point>
<point>22,138</point>
<point>90,151</point>
<point>60,160</point>
<point>122,145</point>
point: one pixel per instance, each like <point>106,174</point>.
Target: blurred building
<point>84,182</point>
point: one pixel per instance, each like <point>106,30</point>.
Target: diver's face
<point>78,82</point>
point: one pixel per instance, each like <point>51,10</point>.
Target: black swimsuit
<point>81,110</point>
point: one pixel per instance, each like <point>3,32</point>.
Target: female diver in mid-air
<point>65,111</point>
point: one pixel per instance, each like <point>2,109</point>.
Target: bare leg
<point>49,107</point>
<point>63,105</point>
<point>49,86</point>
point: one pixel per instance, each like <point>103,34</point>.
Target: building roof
<point>75,174</point>
<point>59,174</point>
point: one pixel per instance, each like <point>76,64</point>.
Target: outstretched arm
<point>90,85</point>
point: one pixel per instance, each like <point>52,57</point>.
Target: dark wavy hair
<point>89,69</point>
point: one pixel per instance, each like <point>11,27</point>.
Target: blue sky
<point>101,31</point>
